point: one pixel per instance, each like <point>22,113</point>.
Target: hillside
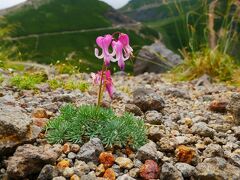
<point>53,30</point>
<point>164,16</point>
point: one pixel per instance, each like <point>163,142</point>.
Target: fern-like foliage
<point>80,124</point>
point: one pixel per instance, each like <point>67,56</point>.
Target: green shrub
<point>79,124</point>
<point>27,81</point>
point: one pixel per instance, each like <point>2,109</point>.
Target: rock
<point>177,93</point>
<point>91,150</point>
<point>109,174</point>
<point>116,169</point>
<point>125,163</point>
<point>75,177</point>
<point>155,133</point>
<point>81,168</point>
<point>63,164</point>
<point>153,117</point>
<point>167,144</point>
<point>16,128</point>
<point>202,129</point>
<point>71,155</point>
<point>66,148</point>
<point>90,176</point>
<point>186,169</point>
<point>147,99</point>
<point>218,106</point>
<point>39,113</point>
<point>213,150</point>
<point>132,108</point>
<point>169,171</point>
<point>107,159</point>
<point>186,154</point>
<point>29,159</point>
<point>234,159</point>
<point>157,53</point>
<point>204,80</point>
<point>149,170</point>
<point>100,170</point>
<point>134,172</point>
<point>63,98</point>
<point>68,172</point>
<point>75,148</point>
<point>234,107</point>
<point>48,172</point>
<point>147,152</point>
<point>217,168</point>
<point>59,178</point>
<point>125,177</point>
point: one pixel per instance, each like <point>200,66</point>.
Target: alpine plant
<point>112,50</point>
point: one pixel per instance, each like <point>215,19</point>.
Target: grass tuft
<point>80,124</point>
<point>28,81</point>
<point>214,63</point>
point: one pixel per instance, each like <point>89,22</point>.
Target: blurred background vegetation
<point>63,32</point>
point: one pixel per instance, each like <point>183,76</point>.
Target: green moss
<point>1,79</point>
<point>27,81</point>
<point>78,124</point>
<point>69,84</point>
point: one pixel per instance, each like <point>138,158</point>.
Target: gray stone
<point>217,168</point>
<point>134,172</point>
<point>29,159</point>
<point>90,151</point>
<point>155,133</point>
<point>213,150</point>
<point>235,159</point>
<point>153,117</point>
<point>59,178</point>
<point>234,107</point>
<point>48,172</point>
<point>16,128</point>
<point>132,108</point>
<point>125,177</point>
<point>147,99</point>
<point>90,176</point>
<point>71,155</point>
<point>186,169</point>
<point>177,93</point>
<point>202,129</point>
<point>155,58</point>
<point>81,168</point>
<point>147,152</point>
<point>236,131</point>
<point>169,171</point>
<point>68,172</point>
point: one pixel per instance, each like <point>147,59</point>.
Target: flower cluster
<point>121,50</point>
<point>115,50</point>
<point>106,80</point>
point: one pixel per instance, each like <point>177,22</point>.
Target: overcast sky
<point>114,3</point>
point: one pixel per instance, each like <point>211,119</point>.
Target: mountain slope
<point>52,30</point>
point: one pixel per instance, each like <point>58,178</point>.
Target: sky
<point>115,3</point>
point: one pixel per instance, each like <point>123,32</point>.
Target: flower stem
<point>100,92</point>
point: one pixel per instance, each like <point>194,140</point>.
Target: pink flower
<point>104,43</point>
<point>106,81</point>
<point>118,47</point>
<point>109,83</point>
<point>124,39</point>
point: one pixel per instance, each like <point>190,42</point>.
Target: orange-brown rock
<point>40,122</point>
<point>66,148</point>
<point>149,170</point>
<point>218,106</point>
<point>63,164</point>
<point>129,151</point>
<point>107,159</point>
<point>39,113</point>
<point>109,174</point>
<point>185,154</point>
